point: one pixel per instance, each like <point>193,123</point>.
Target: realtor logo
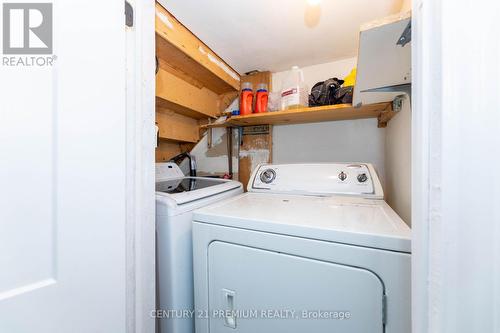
<point>27,28</point>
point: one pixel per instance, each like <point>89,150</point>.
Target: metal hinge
<point>384,309</point>
<point>129,14</point>
<point>397,103</point>
<point>403,88</point>
<point>405,36</point>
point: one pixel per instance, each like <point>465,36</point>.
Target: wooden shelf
<point>177,128</point>
<point>188,56</point>
<point>382,111</point>
<point>178,140</point>
<point>178,95</point>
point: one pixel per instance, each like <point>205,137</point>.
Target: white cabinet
<point>382,62</point>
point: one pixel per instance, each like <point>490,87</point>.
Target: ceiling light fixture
<point>313,2</point>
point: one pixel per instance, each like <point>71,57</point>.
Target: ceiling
<point>277,34</point>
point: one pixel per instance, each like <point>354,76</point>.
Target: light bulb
<point>313,2</point>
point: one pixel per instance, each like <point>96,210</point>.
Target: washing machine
<point>176,198</point>
<point>309,248</point>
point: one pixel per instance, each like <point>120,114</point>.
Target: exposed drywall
<point>398,163</point>
<point>214,160</point>
<point>256,141</point>
<point>336,141</point>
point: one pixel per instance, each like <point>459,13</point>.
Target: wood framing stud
<point>385,116</point>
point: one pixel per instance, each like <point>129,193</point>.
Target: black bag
<point>343,95</point>
<point>323,93</point>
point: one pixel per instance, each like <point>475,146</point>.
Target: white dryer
<point>310,248</point>
<point>176,198</point>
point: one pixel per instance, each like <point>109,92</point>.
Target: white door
<point>62,169</point>
<point>253,290</point>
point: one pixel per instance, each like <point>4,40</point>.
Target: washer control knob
<point>342,175</point>
<point>267,176</point>
<point>362,177</point>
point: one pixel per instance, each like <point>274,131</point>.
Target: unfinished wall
<point>214,160</point>
<point>192,84</point>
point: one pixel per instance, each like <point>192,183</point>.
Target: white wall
<point>336,141</point>
<point>398,162</point>
<point>320,72</point>
<point>339,141</point>
<point>351,141</point>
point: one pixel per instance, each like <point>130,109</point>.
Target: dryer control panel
<point>325,179</point>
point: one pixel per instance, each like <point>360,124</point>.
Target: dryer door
<point>253,290</point>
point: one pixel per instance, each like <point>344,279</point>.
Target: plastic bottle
<point>246,98</point>
<point>294,92</point>
<point>261,98</point>
<point>350,79</point>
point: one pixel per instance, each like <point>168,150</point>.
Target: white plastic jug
<point>294,92</point>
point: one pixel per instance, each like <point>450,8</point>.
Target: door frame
<point>424,118</point>
<point>455,136</point>
<point>140,138</point>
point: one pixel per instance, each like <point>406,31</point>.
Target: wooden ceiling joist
<point>186,53</point>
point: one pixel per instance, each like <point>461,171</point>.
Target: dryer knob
<point>362,177</point>
<point>267,176</point>
<point>342,176</point>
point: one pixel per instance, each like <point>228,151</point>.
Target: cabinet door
<point>253,290</point>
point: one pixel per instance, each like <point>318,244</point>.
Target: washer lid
<point>349,220</point>
<point>167,170</point>
<point>188,189</point>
